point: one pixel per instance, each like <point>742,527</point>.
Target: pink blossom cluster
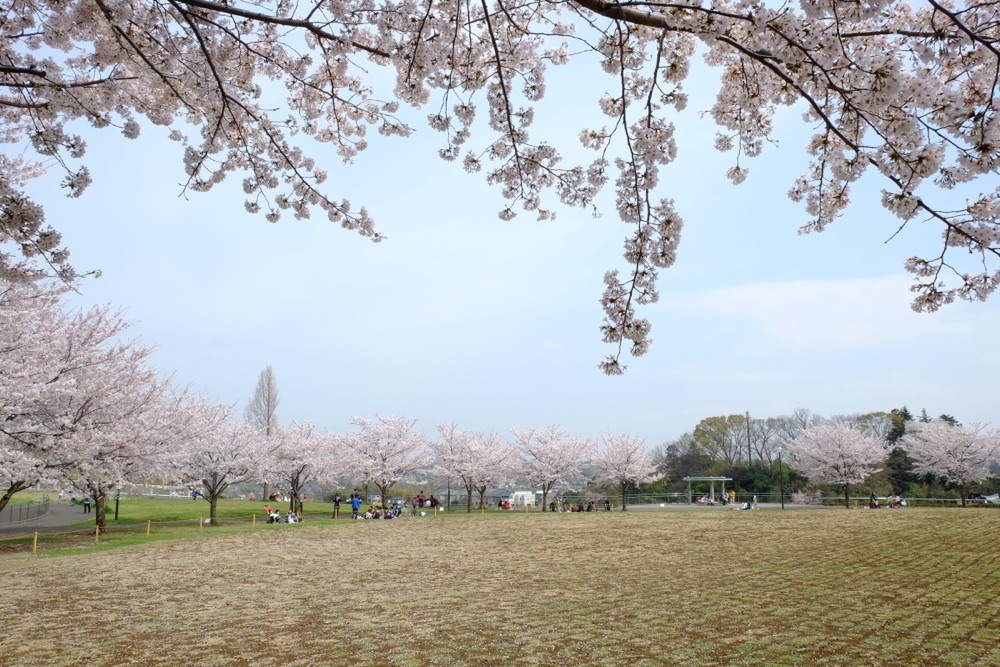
<point>903,90</point>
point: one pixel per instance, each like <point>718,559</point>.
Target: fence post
<point>34,544</point>
<point>149,527</point>
<point>254,524</point>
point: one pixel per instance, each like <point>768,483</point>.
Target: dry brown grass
<point>831,587</point>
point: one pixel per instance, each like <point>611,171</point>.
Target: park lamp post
<point>781,482</point>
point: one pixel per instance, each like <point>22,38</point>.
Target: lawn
<point>824,587</point>
<point>145,508</point>
<point>139,509</point>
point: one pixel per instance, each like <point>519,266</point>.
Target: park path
<point>59,517</point>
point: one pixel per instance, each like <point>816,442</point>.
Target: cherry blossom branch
<point>304,24</point>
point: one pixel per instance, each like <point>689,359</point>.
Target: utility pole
<point>749,448</point>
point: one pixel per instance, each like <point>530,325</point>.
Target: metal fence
<point>26,512</point>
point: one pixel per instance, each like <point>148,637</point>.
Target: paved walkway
<point>59,517</point>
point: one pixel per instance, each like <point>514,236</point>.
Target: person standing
<point>355,504</point>
<point>86,504</point>
<point>336,506</point>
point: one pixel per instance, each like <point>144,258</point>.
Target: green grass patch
<point>133,509</point>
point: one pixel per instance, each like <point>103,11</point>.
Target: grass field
<point>825,587</point>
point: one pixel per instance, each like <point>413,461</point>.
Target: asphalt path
<point>59,518</point>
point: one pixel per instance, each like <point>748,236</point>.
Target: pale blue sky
<point>461,317</point>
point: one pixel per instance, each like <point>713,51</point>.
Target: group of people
<point>394,511</point>
<point>86,501</point>
<point>729,500</point>
<point>560,506</point>
<point>891,502</point>
<point>374,512</point>
<point>274,516</point>
<point>355,502</point>
<point>420,500</point>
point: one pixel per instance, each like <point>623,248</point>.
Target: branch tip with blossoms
<point>901,91</point>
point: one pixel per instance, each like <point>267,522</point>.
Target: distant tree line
<point>759,454</point>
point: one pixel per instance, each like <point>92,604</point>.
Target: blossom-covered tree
<point>478,459</point>
<point>903,90</point>
<point>550,456</point>
<point>32,379</point>
<point>125,429</point>
<point>836,453</point>
<point>624,461</point>
<point>385,451</point>
<point>126,434</point>
<point>300,456</point>
<point>79,405</point>
<point>216,452</point>
<point>960,455</point>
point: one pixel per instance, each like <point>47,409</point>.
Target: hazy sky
<point>461,317</point>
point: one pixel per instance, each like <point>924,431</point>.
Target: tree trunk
<point>100,514</point>
<point>624,494</point>
<point>15,486</point>
<point>545,497</point>
<point>847,496</point>
<point>468,498</point>
<point>963,495</point>
<point>214,488</point>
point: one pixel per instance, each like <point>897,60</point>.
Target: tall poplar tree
<point>262,410</point>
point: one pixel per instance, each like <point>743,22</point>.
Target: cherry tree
<point>80,405</point>
<point>960,455</point>
<point>478,459</point>
<point>301,456</point>
<point>217,452</point>
<point>624,461</point>
<point>901,90</point>
<point>836,453</point>
<point>31,378</point>
<point>386,451</point>
<point>550,456</point>
<point>126,427</point>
